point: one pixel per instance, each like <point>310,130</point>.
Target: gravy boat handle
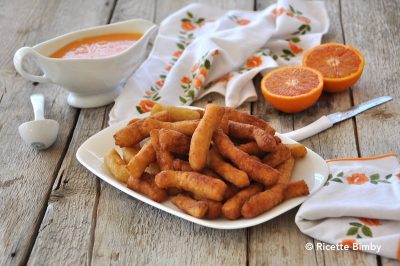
<point>18,60</point>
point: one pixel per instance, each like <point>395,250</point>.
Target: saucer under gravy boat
<point>91,82</point>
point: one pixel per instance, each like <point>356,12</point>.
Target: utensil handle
<point>18,60</point>
<point>37,101</point>
<point>310,130</point>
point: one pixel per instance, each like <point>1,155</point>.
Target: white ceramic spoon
<point>40,133</point>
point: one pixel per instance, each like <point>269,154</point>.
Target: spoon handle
<point>37,101</point>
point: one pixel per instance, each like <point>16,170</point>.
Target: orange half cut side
<point>293,88</point>
<point>340,65</point>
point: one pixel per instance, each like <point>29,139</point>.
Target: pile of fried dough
<point>211,162</point>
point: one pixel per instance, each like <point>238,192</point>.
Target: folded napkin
<point>202,49</point>
<point>359,206</point>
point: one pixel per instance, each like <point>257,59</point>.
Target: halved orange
<point>341,65</point>
<point>293,88</point>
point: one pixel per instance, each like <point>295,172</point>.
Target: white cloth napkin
<point>359,206</point>
<point>202,49</point>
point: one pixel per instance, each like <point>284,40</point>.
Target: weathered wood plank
<point>65,233</point>
<point>338,141</point>
<point>376,33</point>
<point>27,175</point>
<point>130,231</point>
<point>34,178</point>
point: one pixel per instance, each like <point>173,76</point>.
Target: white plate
<point>313,169</point>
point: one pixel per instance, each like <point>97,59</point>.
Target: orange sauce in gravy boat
<point>98,46</point>
<point>91,64</point>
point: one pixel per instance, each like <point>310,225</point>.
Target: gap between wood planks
<point>350,90</point>
<point>378,258</point>
<point>354,120</point>
<point>93,222</point>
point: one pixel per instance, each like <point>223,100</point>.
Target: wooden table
<point>53,211</point>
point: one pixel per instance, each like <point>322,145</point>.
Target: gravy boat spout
<point>91,82</point>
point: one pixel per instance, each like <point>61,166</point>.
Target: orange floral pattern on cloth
<point>190,85</point>
<point>349,243</point>
<point>292,51</point>
<point>224,79</point>
<point>357,179</point>
<point>146,105</point>
<point>294,48</point>
<point>189,24</point>
<point>254,61</point>
<point>297,14</point>
<point>278,12</point>
<point>239,21</point>
<point>370,222</point>
<point>293,43</point>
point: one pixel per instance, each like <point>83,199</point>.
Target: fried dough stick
<point>185,127</point>
<point>181,165</point>
<point>233,206</point>
<point>134,132</point>
<point>138,164</point>
<point>129,153</point>
<point>230,191</point>
<point>263,201</point>
<point>251,148</point>
<point>264,140</point>
<point>174,141</point>
<point>201,185</point>
<point>297,150</point>
<point>224,124</point>
<point>214,207</point>
<point>268,199</point>
<point>133,121</point>
<point>256,170</point>
<point>116,165</point>
<point>296,189</point>
<point>245,118</point>
<point>201,139</point>
<point>230,173</point>
<point>164,158</point>
<point>286,169</point>
<point>176,113</point>
<point>147,186</point>
<point>281,154</point>
<point>190,206</point>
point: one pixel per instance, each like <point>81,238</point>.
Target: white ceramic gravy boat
<point>91,82</point>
